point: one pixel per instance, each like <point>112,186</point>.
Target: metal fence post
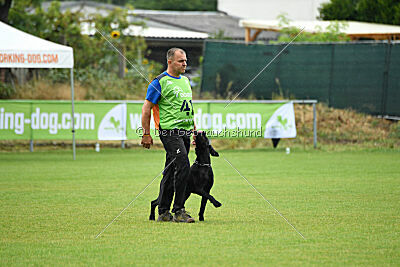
<point>73,114</point>
<point>30,126</point>
<point>31,145</point>
<point>315,124</point>
<point>385,83</point>
<point>331,76</point>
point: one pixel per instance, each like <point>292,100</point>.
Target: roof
<point>153,29</point>
<point>208,22</point>
<point>19,49</point>
<point>202,22</point>
<point>354,29</point>
<point>152,32</point>
<point>86,7</point>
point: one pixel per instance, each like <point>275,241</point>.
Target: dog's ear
<point>213,152</point>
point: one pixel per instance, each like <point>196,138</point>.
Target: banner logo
<point>113,124</point>
<point>282,123</point>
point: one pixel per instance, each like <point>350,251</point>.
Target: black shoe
<point>165,217</point>
<point>182,216</point>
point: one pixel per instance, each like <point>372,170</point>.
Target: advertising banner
<point>52,120</point>
<point>35,59</point>
<point>275,120</point>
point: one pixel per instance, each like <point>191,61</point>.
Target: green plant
<point>6,90</point>
<point>331,34</point>
<point>194,5</point>
<point>219,35</point>
<point>395,130</point>
<point>281,95</point>
<point>382,11</point>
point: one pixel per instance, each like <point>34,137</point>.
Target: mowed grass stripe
<point>345,203</point>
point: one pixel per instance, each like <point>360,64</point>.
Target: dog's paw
<point>201,218</point>
<point>152,218</point>
<point>214,153</point>
<point>217,204</point>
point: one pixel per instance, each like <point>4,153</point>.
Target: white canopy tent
<point>22,50</point>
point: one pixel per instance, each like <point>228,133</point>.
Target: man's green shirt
<point>174,101</point>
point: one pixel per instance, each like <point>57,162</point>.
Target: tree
<point>376,11</point>
<point>181,5</point>
<point>65,28</point>
<point>96,64</point>
<point>5,6</point>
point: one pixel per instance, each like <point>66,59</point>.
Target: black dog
<point>201,176</point>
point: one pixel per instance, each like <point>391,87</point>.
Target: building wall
<point>270,9</point>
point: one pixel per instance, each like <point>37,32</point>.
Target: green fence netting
<point>362,76</point>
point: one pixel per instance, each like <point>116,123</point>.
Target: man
<point>170,98</point>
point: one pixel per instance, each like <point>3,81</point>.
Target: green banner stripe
<point>118,120</point>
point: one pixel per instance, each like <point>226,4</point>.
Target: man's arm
<point>147,141</point>
<point>194,134</point>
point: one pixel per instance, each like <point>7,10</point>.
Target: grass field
<point>346,204</point>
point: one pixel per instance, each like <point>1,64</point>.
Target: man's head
<point>177,61</point>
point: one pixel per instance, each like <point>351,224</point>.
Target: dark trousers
<point>175,177</point>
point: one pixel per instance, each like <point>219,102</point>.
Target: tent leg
<point>73,114</point>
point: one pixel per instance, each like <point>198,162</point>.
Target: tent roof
<point>354,29</point>
<point>22,50</point>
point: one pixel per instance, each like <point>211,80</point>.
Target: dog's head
<point>203,143</point>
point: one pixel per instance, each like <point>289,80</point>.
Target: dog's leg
<point>211,198</point>
<point>202,208</point>
<point>154,204</point>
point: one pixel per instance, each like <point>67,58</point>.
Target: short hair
<point>171,52</point>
